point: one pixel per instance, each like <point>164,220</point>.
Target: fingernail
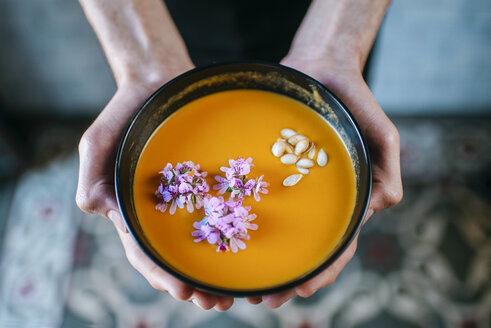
<point>117,220</point>
<point>196,302</point>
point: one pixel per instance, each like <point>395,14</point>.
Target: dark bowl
<point>200,82</point>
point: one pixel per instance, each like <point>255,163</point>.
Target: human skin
<point>145,50</point>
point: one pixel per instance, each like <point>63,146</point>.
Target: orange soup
<point>298,226</point>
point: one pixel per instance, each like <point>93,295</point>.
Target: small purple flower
<point>222,185</point>
<point>235,243</point>
<point>241,166</point>
<point>182,185</point>
<point>213,206</point>
<point>249,186</point>
<point>236,182</point>
<point>260,187</point>
<point>226,224</point>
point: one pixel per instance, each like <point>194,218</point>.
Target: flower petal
<point>173,207</point>
<point>189,206</point>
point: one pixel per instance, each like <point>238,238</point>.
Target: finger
<point>368,215</point>
<point>386,192</point>
<point>98,198</point>
<point>97,150</point>
<point>117,219</point>
<point>224,303</point>
<point>204,300</point>
<point>382,139</point>
<point>254,299</point>
<point>276,300</point>
<point>387,183</point>
<point>95,190</point>
<point>156,276</point>
<point>329,275</point>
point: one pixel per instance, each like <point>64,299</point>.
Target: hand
<point>96,194</point>
<point>382,138</point>
<point>145,50</point>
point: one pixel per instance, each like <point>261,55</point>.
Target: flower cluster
<point>226,223</point>
<point>181,185</point>
<point>236,182</point>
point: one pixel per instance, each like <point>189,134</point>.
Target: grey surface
<point>50,60</point>
<point>434,57</point>
<point>431,54</point>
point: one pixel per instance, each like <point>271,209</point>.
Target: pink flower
<point>241,166</point>
<point>222,185</point>
<point>236,182</point>
<point>205,231</point>
<point>260,187</point>
<point>226,223</point>
<point>236,243</point>
<point>182,185</point>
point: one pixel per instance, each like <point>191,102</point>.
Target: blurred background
<point>425,263</point>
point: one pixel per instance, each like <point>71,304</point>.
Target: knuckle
<point>133,258</point>
<point>96,138</point>
<point>391,135</point>
<point>86,142</point>
<point>393,196</point>
<point>182,293</point>
<point>86,201</point>
<point>332,278</point>
<point>352,249</point>
<point>273,304</point>
<point>208,305</point>
<point>152,278</point>
<point>154,284</point>
<point>304,291</point>
<point>331,281</point>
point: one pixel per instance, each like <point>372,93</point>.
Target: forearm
<point>138,37</point>
<point>342,30</point>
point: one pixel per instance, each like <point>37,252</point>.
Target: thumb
<point>117,219</point>
<point>95,190</point>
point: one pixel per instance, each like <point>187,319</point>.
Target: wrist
<point>151,74</point>
<point>325,67</point>
<point>333,57</point>
<point>340,32</point>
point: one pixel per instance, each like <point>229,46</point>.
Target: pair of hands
<point>98,146</point>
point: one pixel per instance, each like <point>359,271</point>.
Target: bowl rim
<point>251,65</point>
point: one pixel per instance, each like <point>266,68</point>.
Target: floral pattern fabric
<point>424,263</point>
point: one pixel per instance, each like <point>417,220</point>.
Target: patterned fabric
<point>425,263</point>
<point>37,247</point>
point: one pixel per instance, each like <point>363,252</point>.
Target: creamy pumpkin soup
<point>298,224</point>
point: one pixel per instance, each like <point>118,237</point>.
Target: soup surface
<point>298,226</point>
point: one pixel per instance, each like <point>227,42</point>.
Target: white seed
<point>278,148</point>
<point>288,159</point>
<point>292,180</point>
<point>305,163</point>
<point>311,145</point>
<point>293,140</point>
<point>289,148</point>
<point>303,170</point>
<point>301,146</point>
<point>287,133</point>
<point>311,153</point>
<point>322,158</point>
